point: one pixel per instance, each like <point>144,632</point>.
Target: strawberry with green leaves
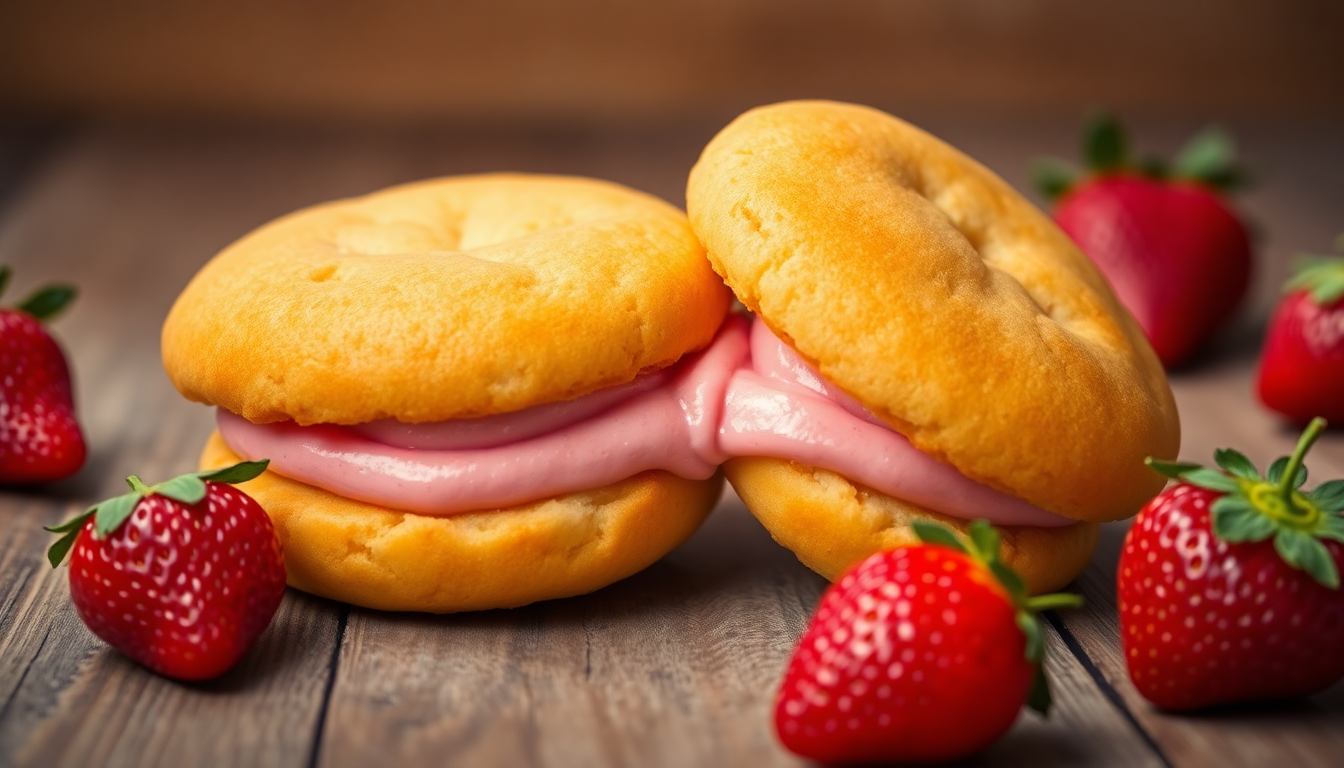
<point>1302,366</point>
<point>40,439</point>
<point>1229,586</point>
<point>1177,256</point>
<point>182,576</point>
<point>918,653</point>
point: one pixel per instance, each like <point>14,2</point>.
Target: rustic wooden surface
<point>674,666</point>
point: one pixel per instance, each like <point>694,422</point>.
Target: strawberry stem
<point>1309,436</point>
<point>1051,602</point>
<point>138,485</point>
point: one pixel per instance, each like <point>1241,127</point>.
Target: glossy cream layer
<point>778,406</point>
<point>670,424</point>
<point>747,394</point>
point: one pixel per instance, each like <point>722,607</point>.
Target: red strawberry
<point>1229,584</point>
<point>1178,258</point>
<point>39,437</point>
<point>918,653</point>
<point>182,576</point>
<point>1302,368</point>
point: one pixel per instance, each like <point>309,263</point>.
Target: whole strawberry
<point>1178,258</point>
<point>39,437</point>
<point>1302,367</point>
<point>918,653</point>
<point>182,576</point>
<point>1229,584</point>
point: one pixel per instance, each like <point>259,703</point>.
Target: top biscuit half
<point>937,296</point>
<point>445,299</point>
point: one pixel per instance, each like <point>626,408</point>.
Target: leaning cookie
<point>475,392</point>
<point>927,343</point>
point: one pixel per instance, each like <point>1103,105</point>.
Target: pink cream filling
<point>747,394</point>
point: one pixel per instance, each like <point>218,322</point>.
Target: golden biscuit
<point>397,561</point>
<point>942,300</point>
<point>831,523</point>
<point>445,299</point>
<point>442,300</point>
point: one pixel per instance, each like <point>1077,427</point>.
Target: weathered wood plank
<point>65,698</point>
<point>1217,412</point>
<point>674,666</point>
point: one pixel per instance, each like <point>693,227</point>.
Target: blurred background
<point>650,61</point>
<point>342,96</point>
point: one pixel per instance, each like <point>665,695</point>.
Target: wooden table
<point>674,666</point>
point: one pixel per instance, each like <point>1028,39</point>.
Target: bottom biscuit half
<point>375,557</point>
<point>831,524</point>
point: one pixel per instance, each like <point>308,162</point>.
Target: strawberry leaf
<point>57,552</point>
<point>1332,528</point>
<point>1236,463</point>
<point>73,524</point>
<point>1104,144</point>
<point>1329,496</point>
<point>187,489</point>
<point>1211,479</point>
<point>1328,290</point>
<point>1170,469</point>
<point>1053,176</point>
<point>1275,473</point>
<point>110,514</point>
<point>1308,554</point>
<point>932,533</point>
<point>1235,520</point>
<point>48,302</point>
<point>238,473</point>
<point>5,272</point>
<point>1010,580</point>
<point>1322,277</point>
<point>1208,157</point>
<point>1039,698</point>
<point>1153,168</point>
<point>985,539</point>
<point>71,528</point>
<point>1032,629</point>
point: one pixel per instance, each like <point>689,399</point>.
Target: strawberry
<point>39,437</point>
<point>918,653</point>
<point>182,576</point>
<point>1302,368</point>
<point>1178,257</point>
<point>1229,583</point>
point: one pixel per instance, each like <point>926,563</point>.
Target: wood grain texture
<point>1217,411</point>
<point>675,666</point>
<point>68,699</point>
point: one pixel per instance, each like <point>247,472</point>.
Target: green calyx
<point>1209,158</point>
<point>110,514</point>
<point>983,547</point>
<point>1321,276</point>
<point>44,303</point>
<point>1254,508</point>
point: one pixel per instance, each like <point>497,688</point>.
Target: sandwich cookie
<point>927,344</point>
<point>475,392</point>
